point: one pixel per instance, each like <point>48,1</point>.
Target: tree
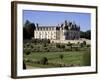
<point>86,34</point>
<point>28,30</point>
<point>82,34</point>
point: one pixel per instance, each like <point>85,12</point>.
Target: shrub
<point>88,45</point>
<point>45,45</point>
<point>31,46</point>
<point>81,45</point>
<point>78,43</point>
<point>28,52</point>
<point>76,48</point>
<point>44,60</point>
<point>27,44</point>
<point>62,46</point>
<point>61,56</point>
<point>69,44</point>
<point>58,45</point>
<point>84,42</point>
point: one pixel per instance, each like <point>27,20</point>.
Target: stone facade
<point>65,31</point>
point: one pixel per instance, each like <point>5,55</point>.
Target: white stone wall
<point>45,34</point>
<point>53,34</point>
<point>71,41</point>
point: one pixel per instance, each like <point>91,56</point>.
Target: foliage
<point>28,52</point>
<point>86,34</point>
<point>44,41</point>
<point>84,42</point>
<point>28,30</point>
<point>88,45</point>
<point>81,45</point>
<point>44,60</point>
<point>43,45</point>
<point>59,45</point>
<point>61,56</point>
<point>69,44</point>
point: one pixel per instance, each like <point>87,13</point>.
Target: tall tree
<point>86,34</point>
<point>28,30</point>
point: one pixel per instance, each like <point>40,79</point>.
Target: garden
<point>40,53</point>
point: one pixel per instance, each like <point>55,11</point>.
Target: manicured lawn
<point>70,58</point>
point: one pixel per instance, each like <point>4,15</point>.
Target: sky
<point>54,18</point>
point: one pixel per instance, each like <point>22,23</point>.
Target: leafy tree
<point>82,34</point>
<point>86,34</point>
<point>28,30</point>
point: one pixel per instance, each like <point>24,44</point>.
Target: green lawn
<point>70,58</point>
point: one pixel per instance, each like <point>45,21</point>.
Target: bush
<point>58,45</point>
<point>62,46</point>
<point>78,43</point>
<point>88,45</point>
<point>27,44</point>
<point>61,56</point>
<point>31,46</point>
<point>40,41</point>
<point>28,52</point>
<point>81,45</point>
<point>44,60</point>
<point>76,48</point>
<point>69,44</point>
<point>45,45</point>
<point>84,42</point>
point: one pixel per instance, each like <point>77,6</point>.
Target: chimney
<point>37,24</point>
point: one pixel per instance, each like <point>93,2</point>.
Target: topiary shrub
<point>44,60</point>
<point>28,52</point>
<point>88,45</point>
<point>62,46</point>
<point>81,45</point>
<point>57,45</point>
<point>84,42</point>
<point>69,44</point>
<point>61,56</point>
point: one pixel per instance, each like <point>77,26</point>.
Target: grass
<point>56,55</point>
<point>70,58</point>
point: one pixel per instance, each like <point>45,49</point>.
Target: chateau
<point>64,31</point>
